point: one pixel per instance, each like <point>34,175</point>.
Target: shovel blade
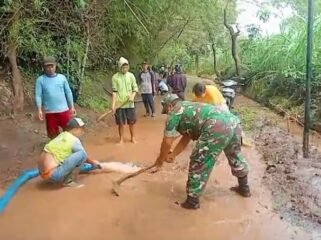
<point>115,188</point>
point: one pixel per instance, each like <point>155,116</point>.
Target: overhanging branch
<point>135,15</point>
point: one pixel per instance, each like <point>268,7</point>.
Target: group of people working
<point>205,120</point>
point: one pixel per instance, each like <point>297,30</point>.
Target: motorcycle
<point>229,88</point>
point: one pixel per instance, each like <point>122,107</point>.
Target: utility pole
<point>308,79</point>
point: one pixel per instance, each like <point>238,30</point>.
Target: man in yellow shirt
<point>61,158</point>
<point>209,94</point>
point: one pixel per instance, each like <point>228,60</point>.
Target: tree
<point>92,34</point>
<point>212,22</point>
<point>234,48</point>
<point>253,31</point>
<point>11,46</point>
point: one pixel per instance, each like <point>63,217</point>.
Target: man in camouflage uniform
<point>215,131</point>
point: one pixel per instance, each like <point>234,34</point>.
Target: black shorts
<point>125,116</point>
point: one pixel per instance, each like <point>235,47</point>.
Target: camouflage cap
<point>49,61</point>
<point>169,98</point>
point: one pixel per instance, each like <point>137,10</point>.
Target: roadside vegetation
<point>88,36</point>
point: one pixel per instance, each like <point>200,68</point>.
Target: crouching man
<point>62,157</point>
<point>215,131</point>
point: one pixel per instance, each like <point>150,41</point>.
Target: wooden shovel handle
<point>116,184</point>
<point>109,112</point>
<point>124,178</point>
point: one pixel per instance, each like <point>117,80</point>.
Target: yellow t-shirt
<point>61,146</point>
<point>212,96</point>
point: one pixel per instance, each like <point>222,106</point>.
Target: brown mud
<point>295,181</point>
<point>146,208</point>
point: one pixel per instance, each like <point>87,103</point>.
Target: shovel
<point>102,116</point>
<point>116,184</point>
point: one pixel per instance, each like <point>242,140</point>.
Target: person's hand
<point>40,115</point>
<point>113,109</point>
<point>131,98</point>
<point>73,111</point>
<point>156,169</point>
<point>97,164</point>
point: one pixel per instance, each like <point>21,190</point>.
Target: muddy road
<point>146,208</point>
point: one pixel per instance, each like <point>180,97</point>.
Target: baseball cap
<point>49,61</point>
<point>75,123</point>
<point>169,98</point>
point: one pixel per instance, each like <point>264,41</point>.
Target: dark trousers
<point>148,101</point>
<point>181,95</point>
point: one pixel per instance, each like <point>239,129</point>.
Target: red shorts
<point>56,120</point>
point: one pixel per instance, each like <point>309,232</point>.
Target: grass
<point>248,117</point>
<point>93,96</point>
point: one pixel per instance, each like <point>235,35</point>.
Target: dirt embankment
<point>295,181</point>
<point>5,94</point>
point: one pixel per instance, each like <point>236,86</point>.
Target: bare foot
<point>155,170</point>
<point>133,141</point>
<point>120,142</point>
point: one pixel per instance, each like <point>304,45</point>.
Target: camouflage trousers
<point>217,136</point>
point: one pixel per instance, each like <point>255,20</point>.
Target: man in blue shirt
<point>54,98</point>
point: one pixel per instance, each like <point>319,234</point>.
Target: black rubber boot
<point>191,203</point>
<point>243,188</point>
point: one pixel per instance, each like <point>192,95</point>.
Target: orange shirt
<point>212,96</point>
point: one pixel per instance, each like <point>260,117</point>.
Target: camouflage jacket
<point>188,118</point>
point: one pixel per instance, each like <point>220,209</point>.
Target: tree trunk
<point>212,39</point>
<point>84,61</point>
<point>234,35</point>
<point>18,100</point>
<point>235,55</point>
<point>215,60</point>
<point>197,63</point>
<point>68,57</point>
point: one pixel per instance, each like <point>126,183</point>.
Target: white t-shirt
<point>162,86</point>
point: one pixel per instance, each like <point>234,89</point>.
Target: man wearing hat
<point>215,131</point>
<point>61,157</point>
<point>53,98</point>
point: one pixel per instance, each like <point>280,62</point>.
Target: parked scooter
<point>229,88</point>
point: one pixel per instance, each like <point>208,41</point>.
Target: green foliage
<point>277,65</point>
<point>87,35</point>
<point>248,117</point>
<point>176,52</point>
<point>253,31</point>
<point>93,96</point>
